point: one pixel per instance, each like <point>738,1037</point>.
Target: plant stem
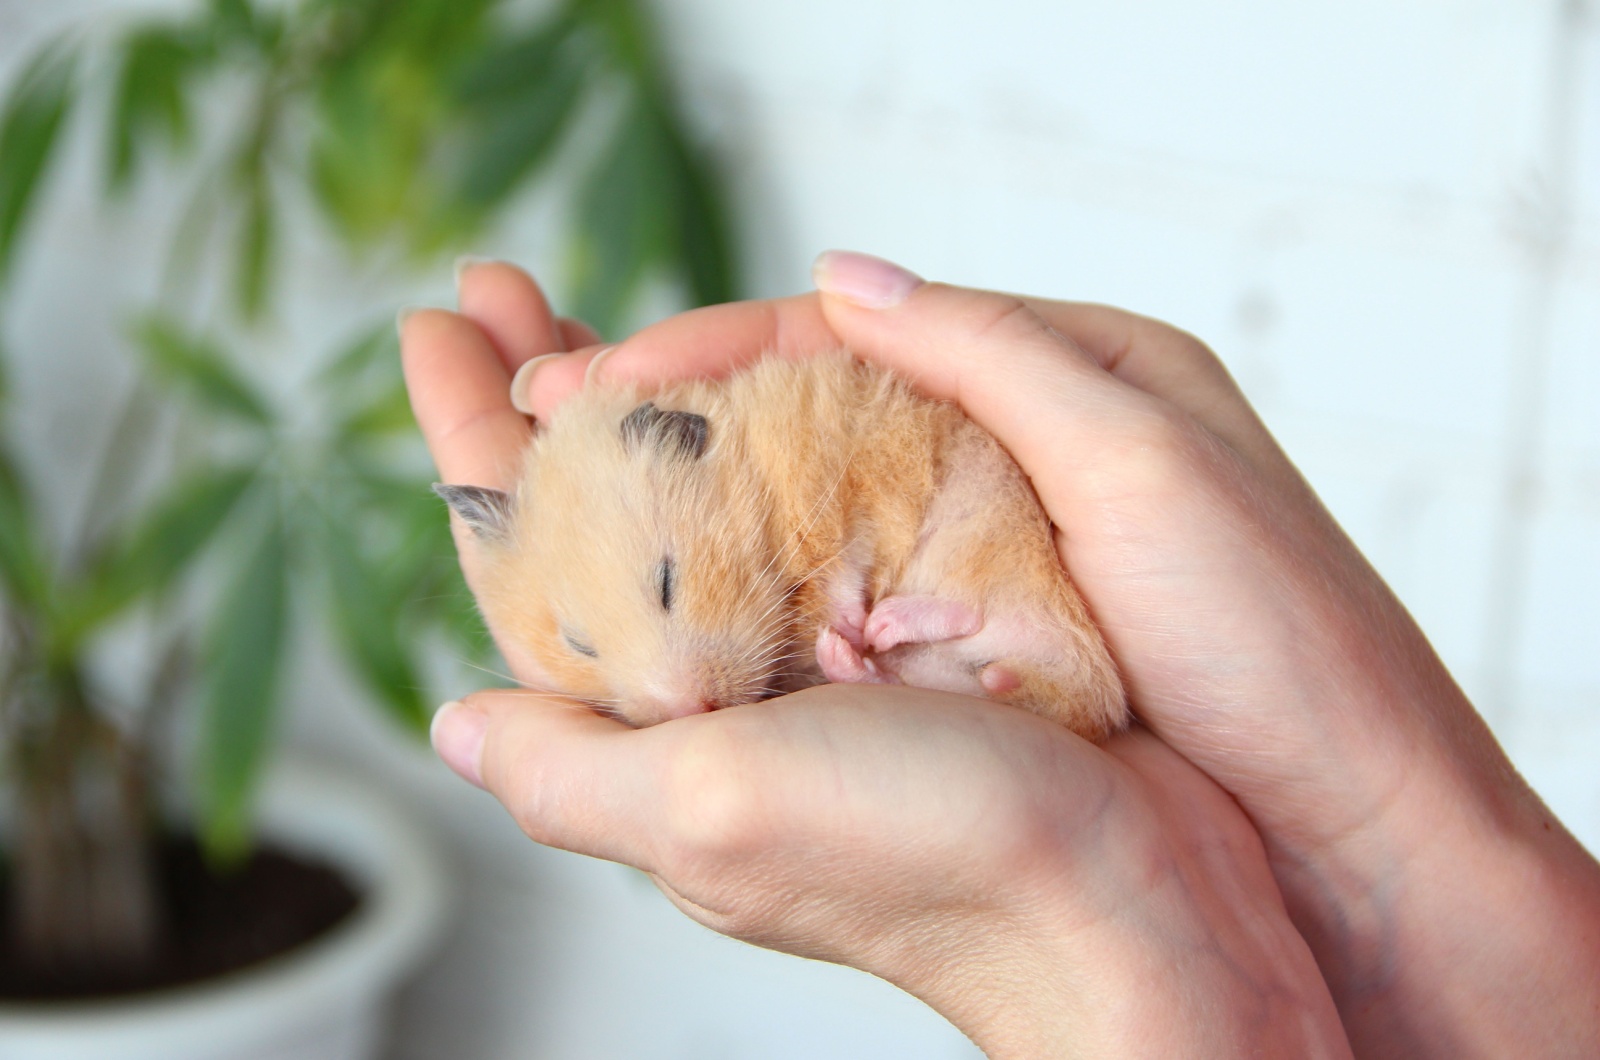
<point>83,879</point>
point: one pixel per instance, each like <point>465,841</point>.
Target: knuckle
<point>1158,428</point>
<point>525,794</point>
<point>1002,317</point>
<point>1161,448</point>
<point>1181,343</point>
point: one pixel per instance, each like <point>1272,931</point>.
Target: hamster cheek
<point>565,673</point>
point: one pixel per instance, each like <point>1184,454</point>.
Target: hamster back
<point>720,542</point>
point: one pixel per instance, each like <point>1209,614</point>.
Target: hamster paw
<point>913,619</point>
<point>842,664</point>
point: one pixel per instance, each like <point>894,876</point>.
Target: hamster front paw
<point>842,664</point>
<point>916,619</point>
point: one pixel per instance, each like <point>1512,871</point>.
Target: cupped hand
<point>1252,636</point>
<point>1046,895</point>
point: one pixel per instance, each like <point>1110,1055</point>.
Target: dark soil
<point>215,924</point>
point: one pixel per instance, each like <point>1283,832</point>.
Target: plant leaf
<point>159,545</point>
<point>368,393</point>
<point>240,670</point>
<point>150,102</point>
<point>515,134</point>
<point>257,247</point>
<point>506,68</point>
<point>372,119</point>
<point>234,20</point>
<point>377,345</point>
<point>35,109</point>
<point>702,222</point>
<point>24,570</point>
<point>202,367</point>
<point>420,563</point>
<point>387,413</point>
<point>622,222</point>
<point>367,614</point>
<point>630,37</point>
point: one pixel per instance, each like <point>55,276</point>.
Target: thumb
<point>1078,431</point>
<point>569,777</point>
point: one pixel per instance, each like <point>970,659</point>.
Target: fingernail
<point>457,734</point>
<point>594,365</point>
<point>522,382</point>
<point>400,318</point>
<point>465,262</point>
<point>869,282</point>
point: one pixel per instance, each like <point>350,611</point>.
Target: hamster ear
<point>682,432</point>
<point>487,511</point>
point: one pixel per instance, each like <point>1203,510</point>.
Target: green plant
<point>409,127</point>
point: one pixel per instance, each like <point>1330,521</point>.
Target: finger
<point>1043,396</point>
<point>1170,364</point>
<point>510,308</point>
<point>715,340</point>
<point>569,777</point>
<point>543,383</point>
<point>702,343</point>
<point>459,390</point>
<point>576,334</point>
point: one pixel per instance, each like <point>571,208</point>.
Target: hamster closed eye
<point>717,543</point>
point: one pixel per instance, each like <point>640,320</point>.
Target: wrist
<point>1464,920</point>
<point>1147,989</point>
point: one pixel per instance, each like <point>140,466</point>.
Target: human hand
<point>1045,895</point>
<point>1256,640</point>
<point>1253,638</point>
<point>1048,897</point>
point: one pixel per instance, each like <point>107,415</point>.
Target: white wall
<point>1384,214</point>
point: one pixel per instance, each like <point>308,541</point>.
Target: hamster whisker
<point>769,613</point>
<point>788,673</point>
<point>818,569</point>
<point>799,535</point>
<point>812,573</point>
<point>488,670</point>
<point>770,637</point>
<point>606,710</point>
<point>610,707</point>
<point>774,664</point>
<point>540,693</point>
<point>770,624</point>
<point>797,538</point>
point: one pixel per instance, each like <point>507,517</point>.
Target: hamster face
<point>639,570</point>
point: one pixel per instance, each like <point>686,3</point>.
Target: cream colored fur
<point>827,487</point>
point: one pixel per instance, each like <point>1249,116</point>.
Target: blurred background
<point>1383,214</point>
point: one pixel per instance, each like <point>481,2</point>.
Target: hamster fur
<point>721,542</point>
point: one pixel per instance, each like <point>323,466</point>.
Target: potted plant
<point>407,128</point>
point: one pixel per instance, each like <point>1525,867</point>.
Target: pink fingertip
<point>466,263</point>
<point>522,382</point>
<point>869,282</point>
<point>457,734</point>
<point>591,373</point>
<point>402,316</point>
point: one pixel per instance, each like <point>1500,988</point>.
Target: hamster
<point>722,542</point>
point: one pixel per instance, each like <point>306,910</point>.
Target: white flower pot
<point>324,1000</point>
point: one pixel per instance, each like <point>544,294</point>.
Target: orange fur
<point>826,488</point>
